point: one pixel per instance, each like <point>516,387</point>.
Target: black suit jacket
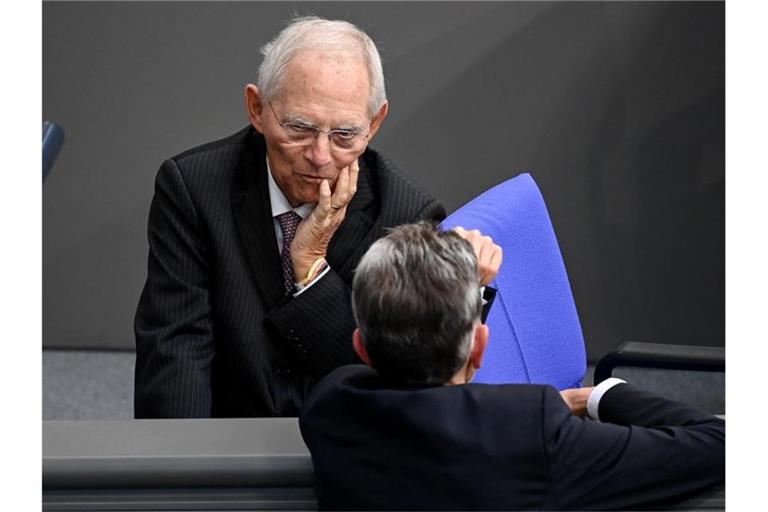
<point>504,447</point>
<point>215,334</point>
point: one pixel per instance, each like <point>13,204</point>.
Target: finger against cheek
<point>325,195</point>
<point>342,183</point>
<point>353,178</point>
<point>344,192</point>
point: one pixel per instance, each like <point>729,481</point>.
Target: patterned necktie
<point>289,221</point>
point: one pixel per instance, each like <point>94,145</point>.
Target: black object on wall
<point>53,139</point>
<point>617,109</point>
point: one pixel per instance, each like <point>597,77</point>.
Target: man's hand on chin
<point>316,230</point>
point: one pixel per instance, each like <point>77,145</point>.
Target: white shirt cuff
<point>316,279</point>
<point>593,402</point>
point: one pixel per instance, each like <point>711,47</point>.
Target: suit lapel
<point>253,218</point>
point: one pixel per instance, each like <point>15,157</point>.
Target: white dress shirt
<point>593,402</point>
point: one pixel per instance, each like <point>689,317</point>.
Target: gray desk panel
<point>261,452</point>
<point>208,499</point>
<point>221,464</point>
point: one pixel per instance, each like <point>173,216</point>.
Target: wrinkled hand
<point>576,399</point>
<point>316,230</point>
<point>489,255</point>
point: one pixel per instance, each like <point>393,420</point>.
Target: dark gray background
<point>617,109</point>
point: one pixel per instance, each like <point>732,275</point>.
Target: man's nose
<point>319,152</point>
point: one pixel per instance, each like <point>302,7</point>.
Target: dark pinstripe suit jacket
<point>215,335</point>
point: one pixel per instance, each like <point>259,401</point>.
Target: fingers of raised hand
<point>342,188</point>
<point>354,171</point>
<point>475,238</point>
<point>325,218</point>
<point>346,186</point>
<point>489,255</point>
<point>325,200</point>
<point>315,230</point>
<point>489,262</point>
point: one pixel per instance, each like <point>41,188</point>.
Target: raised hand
<point>489,255</point>
<point>316,230</point>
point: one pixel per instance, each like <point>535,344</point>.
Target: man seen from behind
<point>410,432</point>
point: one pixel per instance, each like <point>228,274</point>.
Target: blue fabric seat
<point>535,334</point>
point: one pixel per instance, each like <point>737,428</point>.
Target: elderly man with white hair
<point>253,239</point>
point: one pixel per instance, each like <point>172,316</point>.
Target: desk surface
<point>212,464</point>
<point>164,453</point>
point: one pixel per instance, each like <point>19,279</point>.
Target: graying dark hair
<point>416,297</point>
<point>315,33</point>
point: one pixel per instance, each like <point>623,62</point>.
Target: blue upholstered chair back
<point>535,334</point>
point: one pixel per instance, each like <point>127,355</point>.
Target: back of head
<point>416,299</point>
<point>333,37</point>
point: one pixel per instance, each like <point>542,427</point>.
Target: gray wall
<point>616,108</point>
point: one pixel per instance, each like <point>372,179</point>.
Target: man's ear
<point>478,349</point>
<point>254,107</point>
<point>378,119</point>
<point>359,346</point>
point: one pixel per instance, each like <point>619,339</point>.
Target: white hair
<point>315,33</point>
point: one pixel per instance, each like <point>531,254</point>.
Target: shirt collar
<point>279,202</point>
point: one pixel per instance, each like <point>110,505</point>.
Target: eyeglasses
<point>301,134</point>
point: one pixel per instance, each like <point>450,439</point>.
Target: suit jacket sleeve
<point>174,340</point>
<point>647,450</point>
<point>319,322</point>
